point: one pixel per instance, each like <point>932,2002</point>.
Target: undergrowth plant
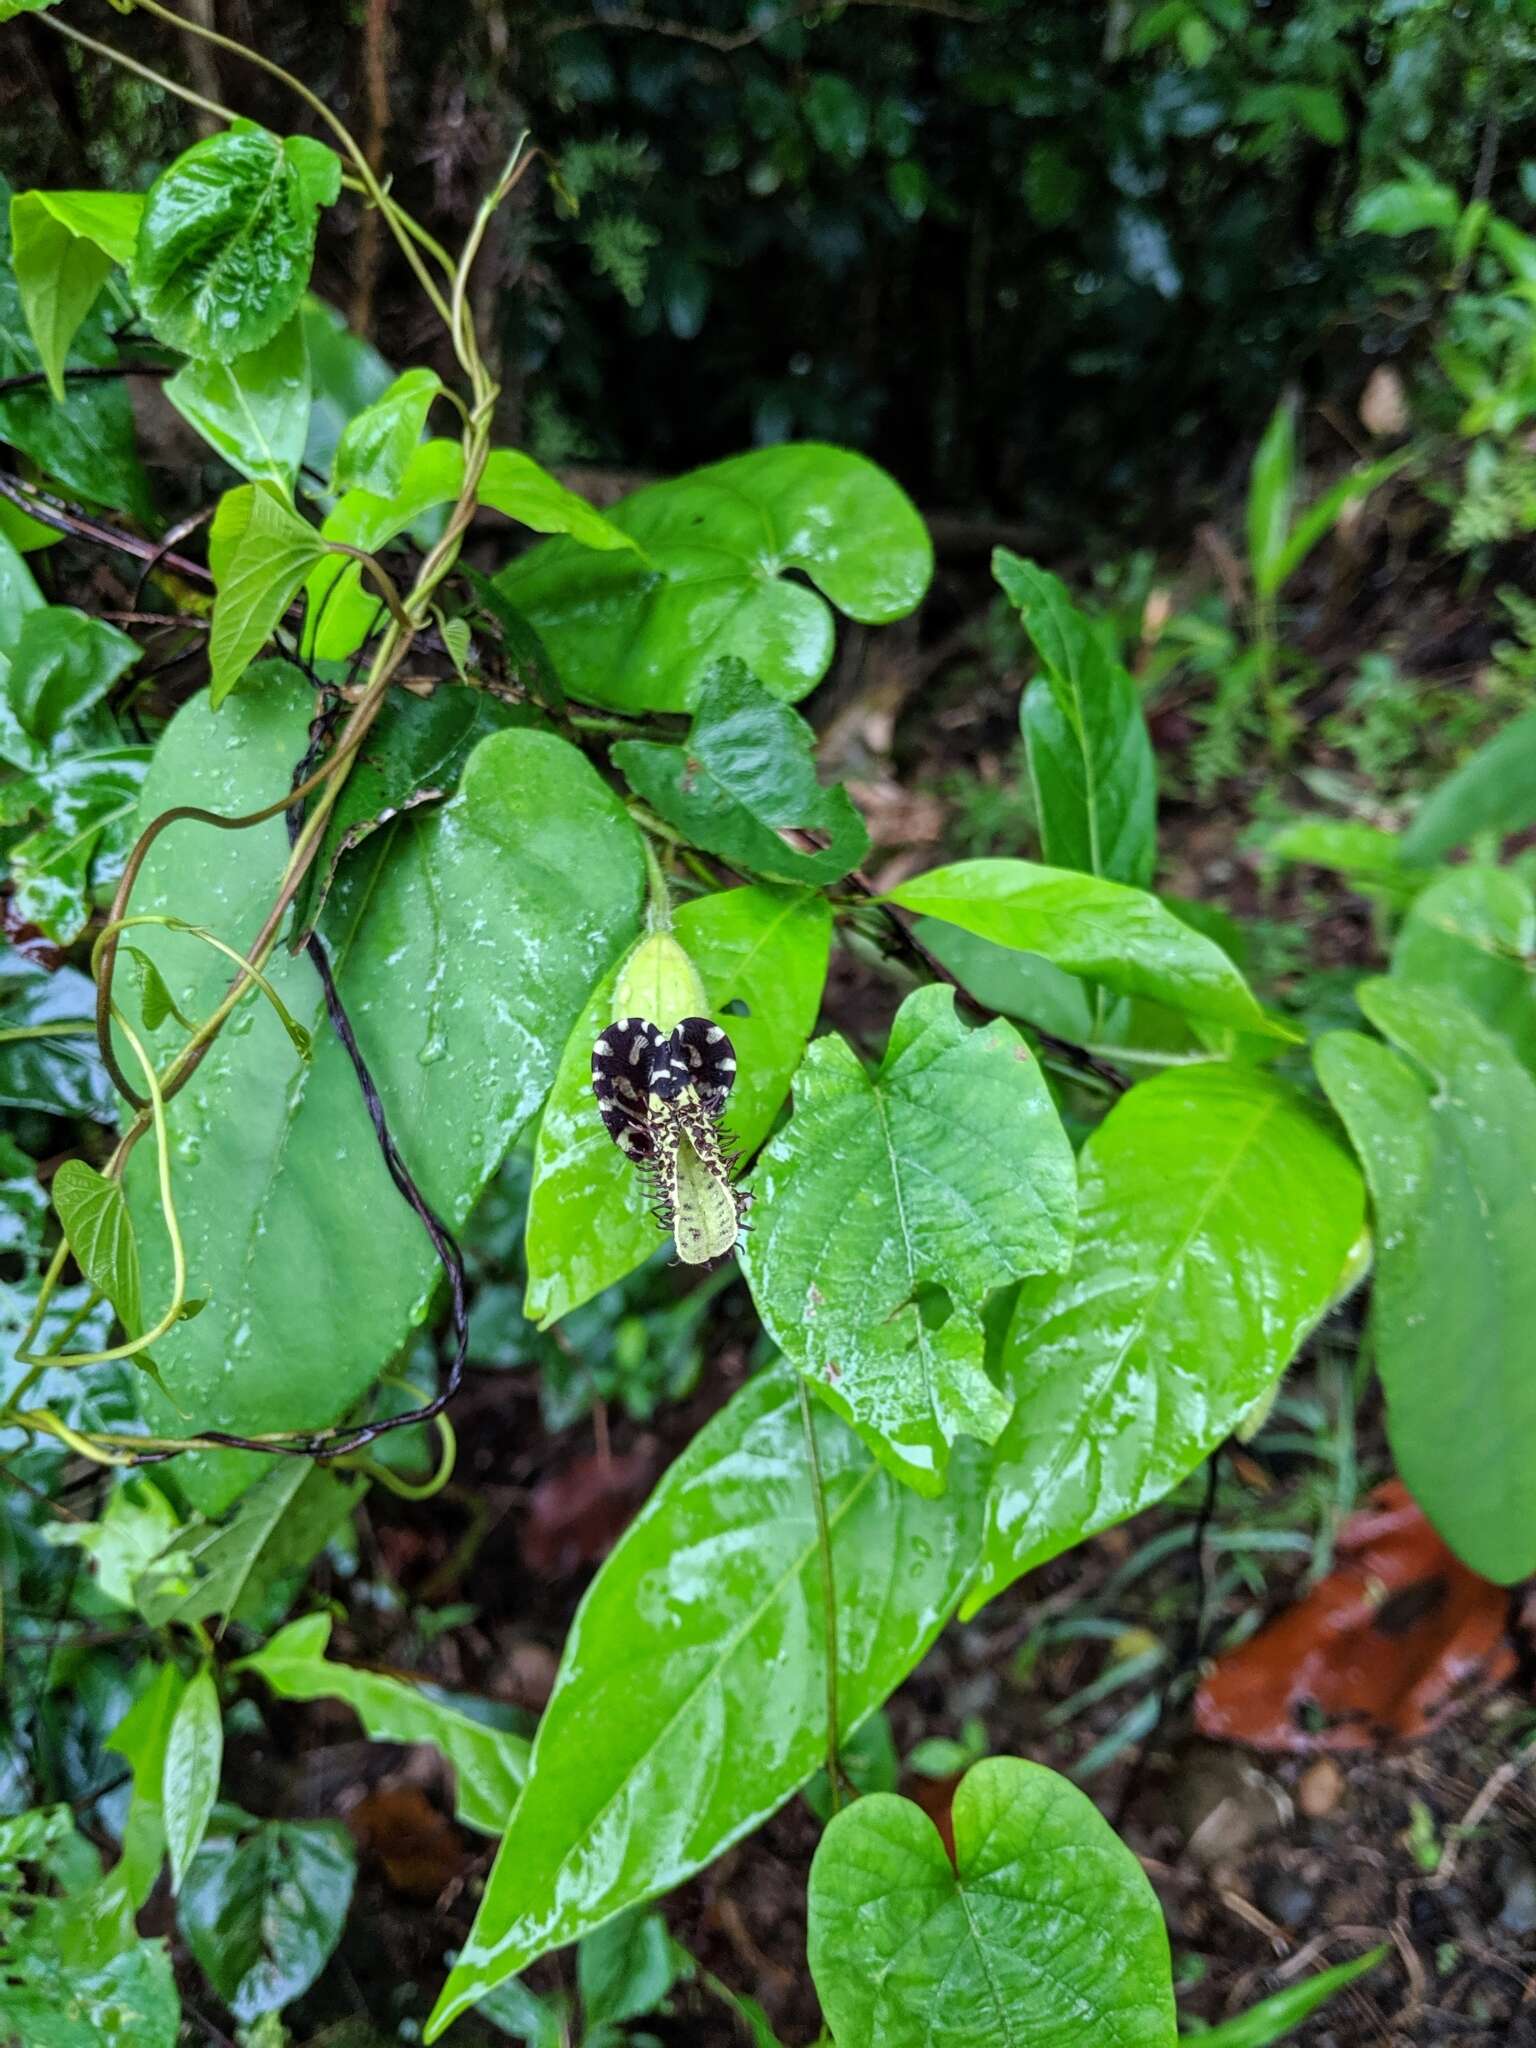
<point>430,849</point>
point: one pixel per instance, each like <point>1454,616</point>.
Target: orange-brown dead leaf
<point>1385,1649</point>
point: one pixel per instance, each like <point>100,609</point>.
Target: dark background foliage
<point>1043,259</point>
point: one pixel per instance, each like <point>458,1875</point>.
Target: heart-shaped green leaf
<point>747,771</point>
<point>889,1208</point>
<point>260,551</point>
<point>1043,1932</point>
<point>642,634</point>
<point>1217,1212</point>
<point>227,237</point>
<point>465,942</point>
<point>691,1700</point>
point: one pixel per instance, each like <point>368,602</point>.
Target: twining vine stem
<point>407,616</point>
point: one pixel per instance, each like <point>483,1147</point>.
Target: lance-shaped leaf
<point>1446,1126</point>
<point>1090,756</point>
<point>1104,931</point>
<point>748,771</point>
<point>1217,1212</point>
<point>889,1208</point>
<point>642,634</point>
<point>194,1757</point>
<point>465,940</point>
<point>691,1700</point>
<point>260,551</point>
<point>1042,1931</point>
<point>253,411</point>
<point>227,237</point>
<point>588,1219</point>
<point>63,246</point>
<point>489,1763</point>
<point>377,444</point>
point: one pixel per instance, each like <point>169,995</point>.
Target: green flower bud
<point>660,982</point>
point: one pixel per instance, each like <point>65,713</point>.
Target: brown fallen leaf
<point>1397,1638</point>
<point>419,1849</point>
<point>576,1515</point>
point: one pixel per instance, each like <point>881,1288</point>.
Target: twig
<point>25,379</point>
<point>50,512</point>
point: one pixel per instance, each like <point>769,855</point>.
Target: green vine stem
<point>407,617</point>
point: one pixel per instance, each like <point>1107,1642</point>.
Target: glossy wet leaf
<point>262,1910</point>
<point>691,1702</point>
<point>63,246</point>
<point>890,1206</point>
<point>1043,1931</point>
<point>1275,2018</point>
<point>254,411</point>
<point>60,665</point>
<point>1494,790</point>
<point>250,1562</point>
<point>489,1763</point>
<point>1090,757</point>
<point>124,1540</point>
<point>87,443</point>
<point>1217,1210</point>
<point>60,1075</point>
<point>131,1997</point>
<point>465,940</point>
<point>1385,1649</point>
<point>1120,937</point>
<point>260,552</point>
<point>588,1220</point>
<point>414,754</point>
<point>227,237</point>
<point>377,443</point>
<point>1444,1120</point>
<point>1472,934</point>
<point>343,612</point>
<point>88,803</point>
<point>642,634</point>
<point>748,770</point>
<point>194,1756</point>
<point>1128,1030</point>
